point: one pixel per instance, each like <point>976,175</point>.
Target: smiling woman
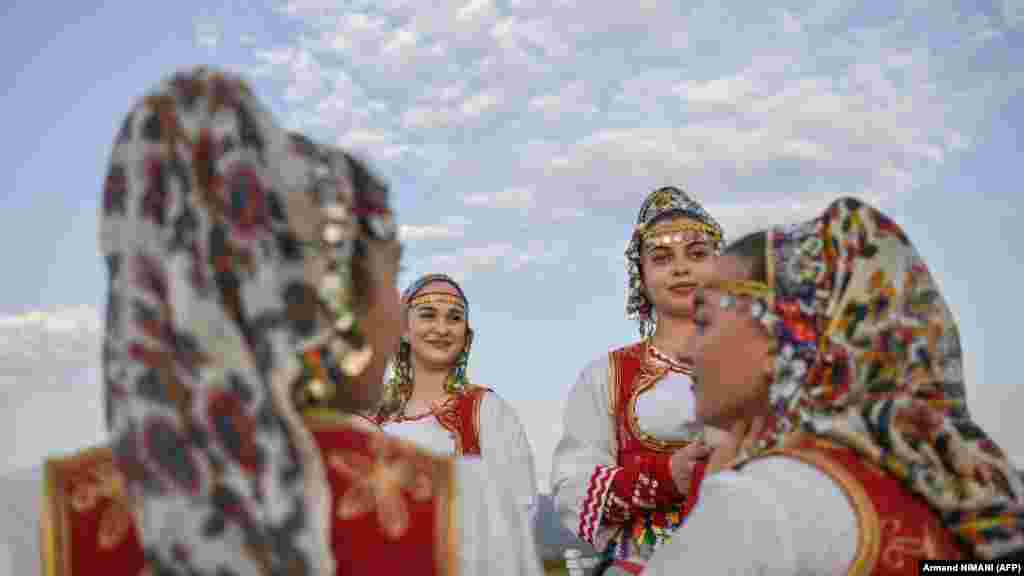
<point>429,399</point>
<point>245,262</point>
<point>861,454</point>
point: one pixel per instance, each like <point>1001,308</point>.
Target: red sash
<point>897,529</point>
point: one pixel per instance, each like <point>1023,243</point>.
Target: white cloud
<point>424,117</point>
<point>304,74</point>
<point>206,33</point>
<point>413,233</point>
<point>473,9</point>
<point>379,145</point>
<point>1012,12</point>
<point>49,371</point>
<point>401,39</point>
<point>479,103</point>
<point>466,262</point>
<point>727,90</point>
<point>514,198</point>
<point>569,99</point>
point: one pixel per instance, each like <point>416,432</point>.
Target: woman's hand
<point>741,439</point>
<point>684,461</point>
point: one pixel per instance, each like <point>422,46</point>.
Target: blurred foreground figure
<point>244,261</point>
<point>859,455</point>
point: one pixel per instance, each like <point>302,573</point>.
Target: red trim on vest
<point>896,528</point>
<point>462,419</point>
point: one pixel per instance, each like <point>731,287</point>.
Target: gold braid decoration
<point>436,298</point>
<point>678,231</point>
<point>749,288</point>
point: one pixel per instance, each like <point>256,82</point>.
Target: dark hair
<point>752,248</point>
<point>371,192</point>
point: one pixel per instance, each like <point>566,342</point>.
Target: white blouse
<point>777,516</point>
<point>504,450</point>
<point>665,411</point>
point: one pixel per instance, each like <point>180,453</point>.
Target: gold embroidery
<point>78,484</point>
<point>104,484</point>
<point>115,523</point>
<point>379,483</point>
<point>437,298</point>
<point>677,231</point>
<point>647,376</point>
<point>900,548</point>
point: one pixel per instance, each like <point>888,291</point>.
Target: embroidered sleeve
<point>643,483</point>
<point>584,464</point>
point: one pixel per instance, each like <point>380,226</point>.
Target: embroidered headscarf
<point>399,386</point>
<point>868,355</point>
<point>660,205</point>
<point>214,300</point>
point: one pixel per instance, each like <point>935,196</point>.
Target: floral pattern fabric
<point>869,355</point>
<point>209,301</point>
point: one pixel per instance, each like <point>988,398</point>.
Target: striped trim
<point>598,488</point>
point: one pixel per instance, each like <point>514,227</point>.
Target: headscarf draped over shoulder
<point>211,305</point>
<point>399,385</point>
<point>869,356</point>
<point>658,204</point>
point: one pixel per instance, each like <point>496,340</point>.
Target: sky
<point>519,139</point>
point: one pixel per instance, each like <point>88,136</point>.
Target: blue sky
<point>519,138</point>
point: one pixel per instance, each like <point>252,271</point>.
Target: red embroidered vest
<point>461,417</point>
<point>897,529</point>
<point>631,373</point>
<point>393,504</point>
<point>392,508</point>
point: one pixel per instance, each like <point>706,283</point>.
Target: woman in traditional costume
<point>243,259</point>
<point>627,466</point>
<point>866,460</point>
<point>430,401</point>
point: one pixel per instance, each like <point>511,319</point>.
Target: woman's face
<point>437,328</point>
<point>381,321</point>
<point>672,272</point>
<point>732,353</point>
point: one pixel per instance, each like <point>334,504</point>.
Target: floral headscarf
<point>867,352</point>
<point>399,386</point>
<point>211,308</point>
<point>663,202</point>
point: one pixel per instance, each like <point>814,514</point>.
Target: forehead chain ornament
<point>338,232</point>
<point>759,292</point>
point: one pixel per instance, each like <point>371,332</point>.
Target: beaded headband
<point>732,290</point>
<point>428,298</point>
<point>678,232</point>
<point>698,225</point>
